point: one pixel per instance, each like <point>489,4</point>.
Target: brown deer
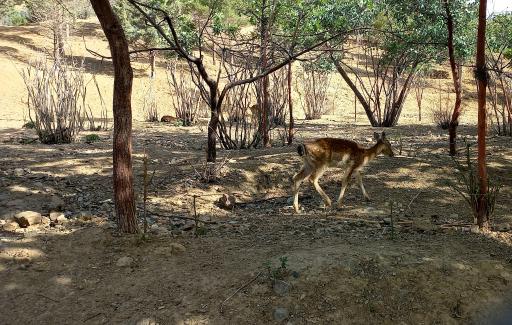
<point>322,153</point>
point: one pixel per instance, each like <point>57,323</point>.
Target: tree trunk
<point>211,154</point>
<point>290,105</point>
<point>481,75</point>
<point>124,197</point>
<point>356,91</point>
<point>152,59</point>
<point>265,79</point>
<point>457,76</point>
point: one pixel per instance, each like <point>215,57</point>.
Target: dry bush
<point>56,99</point>
<point>239,126</point>
<point>312,85</point>
<point>500,101</point>
<point>149,102</point>
<point>89,115</point>
<point>442,113</point>
<point>186,97</point>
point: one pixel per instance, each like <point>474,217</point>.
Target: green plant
<point>277,273</point>
<point>90,138</point>
<point>29,125</point>
<point>468,187</point>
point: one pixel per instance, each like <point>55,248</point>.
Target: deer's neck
<point>373,152</point>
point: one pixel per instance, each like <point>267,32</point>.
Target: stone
<point>45,220</point>
<point>280,314</point>
<point>54,215</point>
<point>62,219</point>
<point>177,248</point>
<point>281,288</point>
<point>124,261</point>
<point>27,218</point>
<point>227,201</point>
<point>189,225</point>
<point>19,172</point>
<point>146,321</point>
<point>168,119</point>
<point>11,226</point>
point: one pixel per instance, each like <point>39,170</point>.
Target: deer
<point>322,153</point>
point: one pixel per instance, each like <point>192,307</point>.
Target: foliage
<point>91,138</point>
<point>14,15</point>
<point>277,273</point>
<point>498,34</point>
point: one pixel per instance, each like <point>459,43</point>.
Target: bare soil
<point>407,257</point>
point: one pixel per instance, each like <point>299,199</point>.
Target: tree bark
<point>152,59</point>
<point>213,124</point>
<point>265,79</point>
<point>481,75</point>
<point>290,105</point>
<point>356,91</point>
<point>456,75</point>
<point>124,197</point>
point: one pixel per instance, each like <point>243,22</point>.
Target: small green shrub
<point>29,125</point>
<point>90,138</point>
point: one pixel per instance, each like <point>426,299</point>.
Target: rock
<point>61,219</point>
<point>146,321</point>
<point>19,172</point>
<point>27,218</point>
<point>168,119</point>
<point>11,226</point>
<point>189,225</point>
<point>281,288</point>
<point>387,221</point>
<point>177,248</point>
<point>227,201</point>
<point>280,314</point>
<point>124,261</point>
<point>55,215</point>
<point>45,220</point>
<point>55,204</point>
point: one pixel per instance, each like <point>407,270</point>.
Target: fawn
<point>322,153</point>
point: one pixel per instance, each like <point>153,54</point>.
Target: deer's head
<point>383,143</point>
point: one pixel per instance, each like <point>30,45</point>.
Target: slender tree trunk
<point>265,79</point>
<point>457,76</point>
<point>152,59</point>
<point>290,105</point>
<point>357,93</point>
<point>481,75</point>
<point>211,154</point>
<point>124,197</point>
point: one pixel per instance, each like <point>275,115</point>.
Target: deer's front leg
<point>359,180</point>
<point>297,180</point>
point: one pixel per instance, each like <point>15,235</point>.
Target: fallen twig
<point>238,290</point>
<point>180,217</point>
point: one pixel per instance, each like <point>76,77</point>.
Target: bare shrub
<point>91,118</point>
<point>149,103</point>
<point>186,97</point>
<point>441,114</point>
<point>240,120</point>
<point>419,83</point>
<point>312,85</point>
<point>500,101</point>
<point>56,98</point>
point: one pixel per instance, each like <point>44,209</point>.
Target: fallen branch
<point>238,290</point>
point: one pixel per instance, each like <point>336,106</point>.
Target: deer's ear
<point>376,136</point>
<point>383,135</point>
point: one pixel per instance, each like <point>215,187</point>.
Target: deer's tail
<point>301,150</point>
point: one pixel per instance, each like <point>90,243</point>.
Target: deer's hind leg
<point>315,176</point>
<point>305,172</point>
<point>344,183</point>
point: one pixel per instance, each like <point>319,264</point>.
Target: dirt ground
<point>344,266</point>
<point>407,257</point>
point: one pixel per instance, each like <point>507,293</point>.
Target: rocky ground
<point>407,257</point>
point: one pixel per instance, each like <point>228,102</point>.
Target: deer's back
<point>333,151</point>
